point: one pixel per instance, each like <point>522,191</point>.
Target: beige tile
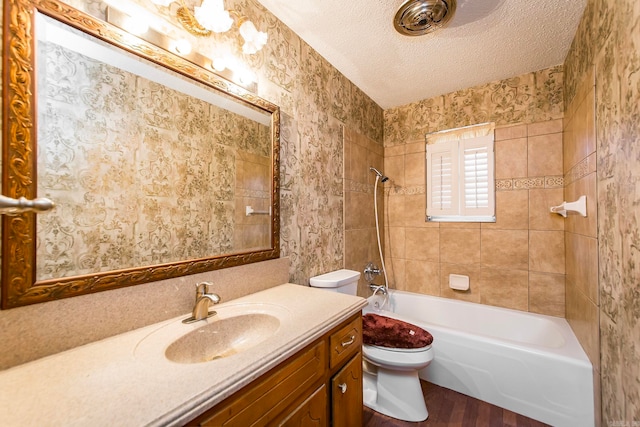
<point>543,128</point>
<point>394,168</point>
<point>511,158</point>
<point>505,288</point>
<point>588,225</point>
<point>546,251</point>
<point>505,249</point>
<point>459,246</point>
<point>416,147</point>
<point>422,277</point>
<point>358,168</point>
<point>372,146</point>
<point>394,150</point>
<point>395,242</point>
<point>415,212</point>
<point>396,273</point>
<point>346,152</point>
<point>471,270</point>
<point>546,294</point>
<point>580,137</point>
<point>414,170</point>
<point>356,248</point>
<point>510,132</point>
<point>422,244</point>
<point>583,316</point>
<point>582,264</point>
<point>540,218</point>
<point>545,155</point>
<point>394,210</point>
<point>569,155</point>
<point>356,216</point>
<point>570,195</point>
<point>512,211</point>
<point>584,127</point>
<point>465,225</point>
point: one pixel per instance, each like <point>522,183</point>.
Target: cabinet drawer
<point>271,395</point>
<point>345,342</point>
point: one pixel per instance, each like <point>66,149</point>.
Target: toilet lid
<point>383,331</point>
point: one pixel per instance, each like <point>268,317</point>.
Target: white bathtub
<point>530,364</point>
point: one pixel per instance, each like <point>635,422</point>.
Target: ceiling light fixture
<point>211,16</point>
<point>418,17</point>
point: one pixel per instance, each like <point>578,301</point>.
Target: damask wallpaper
<point>608,38</point>
<point>528,98</point>
<point>141,174</point>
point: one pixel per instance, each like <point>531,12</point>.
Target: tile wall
<point>581,237</point>
<point>602,80</point>
<point>360,239</point>
<point>517,262</point>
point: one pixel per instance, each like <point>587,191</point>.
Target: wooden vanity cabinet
<point>321,385</point>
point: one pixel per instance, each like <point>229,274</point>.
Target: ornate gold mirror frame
<point>19,283</point>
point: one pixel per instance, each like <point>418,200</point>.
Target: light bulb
<point>135,26</point>
<point>245,76</point>
<point>254,39</point>
<point>182,46</point>
<point>219,64</point>
<point>212,16</point>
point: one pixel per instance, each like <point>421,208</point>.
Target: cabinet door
<point>346,394</point>
<point>310,413</point>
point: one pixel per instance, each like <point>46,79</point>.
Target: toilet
<point>391,384</point>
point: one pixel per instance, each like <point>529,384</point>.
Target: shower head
<point>379,174</point>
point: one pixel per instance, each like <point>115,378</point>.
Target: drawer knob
<point>343,387</point>
<point>349,341</point>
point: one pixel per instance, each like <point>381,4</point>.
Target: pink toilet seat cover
<point>393,333</point>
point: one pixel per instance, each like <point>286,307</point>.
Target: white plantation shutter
<point>460,180</point>
<point>478,182</point>
<point>442,165</point>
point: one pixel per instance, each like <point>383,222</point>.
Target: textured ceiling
<point>487,40</point>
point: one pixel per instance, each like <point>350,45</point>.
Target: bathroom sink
<point>222,338</point>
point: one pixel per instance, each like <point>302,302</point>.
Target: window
<point>460,175</point>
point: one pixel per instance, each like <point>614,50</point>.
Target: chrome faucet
<point>203,300</point>
<point>378,288</point>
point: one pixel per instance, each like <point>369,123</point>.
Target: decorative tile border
<point>504,184</point>
<point>582,169</point>
<point>357,187</point>
<point>530,183</point>
<point>257,194</point>
<point>554,181</point>
<point>396,190</point>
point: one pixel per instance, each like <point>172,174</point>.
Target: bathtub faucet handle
<point>370,271</point>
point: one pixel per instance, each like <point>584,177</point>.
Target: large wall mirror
<point>158,167</point>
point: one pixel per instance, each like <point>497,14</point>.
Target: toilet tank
<point>343,281</point>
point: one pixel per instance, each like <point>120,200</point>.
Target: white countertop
<point>126,380</point>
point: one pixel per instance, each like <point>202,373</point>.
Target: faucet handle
<point>202,288</point>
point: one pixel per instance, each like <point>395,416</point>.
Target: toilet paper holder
<point>579,206</point>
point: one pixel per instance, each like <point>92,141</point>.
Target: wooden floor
<point>448,408</point>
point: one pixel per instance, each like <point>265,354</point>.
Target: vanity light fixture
<point>223,63</point>
<point>211,16</point>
